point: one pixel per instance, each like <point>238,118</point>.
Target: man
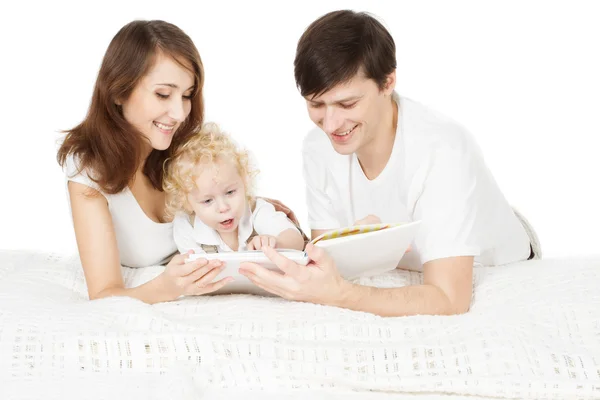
<point>376,156</point>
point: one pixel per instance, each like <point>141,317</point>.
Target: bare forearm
<point>392,302</point>
<point>290,239</point>
<point>151,292</point>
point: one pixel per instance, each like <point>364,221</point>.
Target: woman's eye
<point>188,97</point>
<point>162,96</point>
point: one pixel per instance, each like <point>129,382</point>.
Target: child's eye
<point>232,191</point>
<point>207,202</point>
<point>162,96</point>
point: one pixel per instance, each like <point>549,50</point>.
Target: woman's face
<point>161,101</point>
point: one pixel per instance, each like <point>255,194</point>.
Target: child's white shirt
<point>265,220</point>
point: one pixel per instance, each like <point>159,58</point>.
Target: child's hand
<point>259,241</point>
<point>368,220</point>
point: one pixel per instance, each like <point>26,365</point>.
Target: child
<point>209,192</point>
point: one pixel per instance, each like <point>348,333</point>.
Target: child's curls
<point>206,147</point>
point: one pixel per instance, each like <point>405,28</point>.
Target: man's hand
<point>261,241</point>
<point>318,282</point>
<point>368,220</point>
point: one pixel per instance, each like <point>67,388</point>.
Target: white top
<point>264,220</point>
<point>436,173</point>
<point>141,241</point>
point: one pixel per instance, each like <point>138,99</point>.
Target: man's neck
<point>374,156</point>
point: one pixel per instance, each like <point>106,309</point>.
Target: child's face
<point>219,199</point>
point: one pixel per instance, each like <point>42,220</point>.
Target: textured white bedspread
<point>533,332</point>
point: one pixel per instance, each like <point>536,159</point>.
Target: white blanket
<point>533,332</point>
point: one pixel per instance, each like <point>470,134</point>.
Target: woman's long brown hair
<point>105,145</point>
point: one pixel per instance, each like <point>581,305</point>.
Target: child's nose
<point>223,206</point>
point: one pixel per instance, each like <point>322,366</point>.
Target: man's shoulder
<point>427,127</point>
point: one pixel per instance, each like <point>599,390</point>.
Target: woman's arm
<point>99,256</point>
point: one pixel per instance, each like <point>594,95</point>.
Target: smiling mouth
<point>346,133</point>
<point>164,128</point>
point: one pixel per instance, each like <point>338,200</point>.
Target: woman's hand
<point>192,278</point>
<point>279,206</point>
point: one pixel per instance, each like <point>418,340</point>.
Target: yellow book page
<point>352,230</point>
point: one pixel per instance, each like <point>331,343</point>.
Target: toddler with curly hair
<point>209,189</point>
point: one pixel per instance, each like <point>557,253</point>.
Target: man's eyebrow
<point>344,100</point>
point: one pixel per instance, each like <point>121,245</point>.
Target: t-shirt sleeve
<point>451,206</point>
<point>183,235</point>
<point>321,213</point>
<point>268,221</point>
<point>73,173</point>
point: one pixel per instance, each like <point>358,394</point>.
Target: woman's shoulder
<point>75,172</point>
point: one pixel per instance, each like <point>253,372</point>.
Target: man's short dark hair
<point>336,46</point>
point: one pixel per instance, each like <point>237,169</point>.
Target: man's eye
<point>348,105</point>
<point>315,105</point>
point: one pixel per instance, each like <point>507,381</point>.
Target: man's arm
<point>446,290</point>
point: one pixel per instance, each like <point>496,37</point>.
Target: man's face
<point>351,113</point>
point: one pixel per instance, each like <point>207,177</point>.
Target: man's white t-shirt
<point>436,173</point>
<point>264,220</point>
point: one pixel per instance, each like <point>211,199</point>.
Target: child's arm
<point>290,239</point>
<point>274,225</point>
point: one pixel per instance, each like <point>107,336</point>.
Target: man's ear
<point>390,83</point>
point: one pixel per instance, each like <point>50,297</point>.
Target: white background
<point>522,76</point>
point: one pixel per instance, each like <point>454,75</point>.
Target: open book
<point>365,250</point>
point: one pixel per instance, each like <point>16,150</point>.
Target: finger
<point>283,263</point>
<point>189,267</point>
<point>266,274</point>
<point>259,283</point>
<point>199,273</point>
<point>264,241</point>
<point>251,245</point>
<point>318,256</point>
<point>216,263</point>
<point>212,287</point>
<point>208,277</point>
<point>272,241</point>
<point>181,257</point>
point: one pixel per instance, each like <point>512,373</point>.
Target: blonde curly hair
<point>202,150</point>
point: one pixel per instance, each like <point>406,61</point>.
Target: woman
<point>146,103</point>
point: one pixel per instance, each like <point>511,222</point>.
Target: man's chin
<point>344,149</point>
